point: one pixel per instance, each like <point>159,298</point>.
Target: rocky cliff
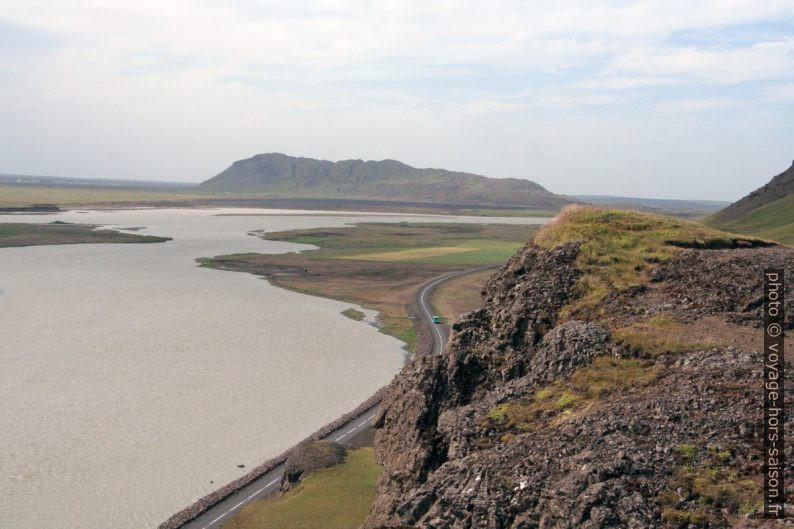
<point>589,394</point>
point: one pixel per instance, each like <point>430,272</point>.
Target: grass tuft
<point>619,248</point>
<point>604,377</point>
<point>705,488</point>
<point>658,335</point>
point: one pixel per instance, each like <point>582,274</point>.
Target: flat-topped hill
<point>279,175</point>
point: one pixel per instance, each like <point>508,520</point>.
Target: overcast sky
<point>669,98</point>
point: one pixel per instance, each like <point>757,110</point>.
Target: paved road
<point>346,435</point>
<point>270,482</point>
<point>439,331</point>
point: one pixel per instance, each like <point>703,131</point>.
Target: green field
<point>338,497</point>
<point>23,234</point>
<point>772,221</point>
<point>443,244</point>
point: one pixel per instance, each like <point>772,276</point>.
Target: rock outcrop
<point>530,421</point>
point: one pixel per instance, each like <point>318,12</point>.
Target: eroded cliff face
<point>533,420</point>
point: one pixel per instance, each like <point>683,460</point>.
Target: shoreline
<point>424,346</point>
<point>192,511</point>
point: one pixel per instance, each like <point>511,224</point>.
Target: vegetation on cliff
<point>610,380</point>
<point>620,248</point>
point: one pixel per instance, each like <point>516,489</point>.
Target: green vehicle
<point>436,319</point>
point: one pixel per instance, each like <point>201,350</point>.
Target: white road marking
<point>239,504</point>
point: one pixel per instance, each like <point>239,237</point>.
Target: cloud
<point>195,84</point>
<point>698,106</point>
<point>763,61</point>
<point>780,92</point>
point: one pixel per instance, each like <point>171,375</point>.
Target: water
<point>131,379</point>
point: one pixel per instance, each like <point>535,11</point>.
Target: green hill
<point>766,212</point>
<point>282,176</point>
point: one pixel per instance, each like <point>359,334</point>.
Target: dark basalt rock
<point>605,465</point>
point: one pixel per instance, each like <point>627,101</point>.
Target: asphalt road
<point>440,332</point>
<point>345,435</point>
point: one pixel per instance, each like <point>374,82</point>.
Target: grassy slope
<point>619,248</point>
<point>339,497</point>
<point>22,234</point>
<point>771,221</point>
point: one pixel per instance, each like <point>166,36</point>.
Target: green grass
<point>353,314</point>
<point>658,335</point>
<point>403,330</point>
<point>338,497</point>
<point>596,382</point>
<point>686,451</point>
<point>619,248</point>
<point>771,221</point>
<point>484,252</point>
<point>487,243</point>
<point>704,487</point>
<point>486,212</point>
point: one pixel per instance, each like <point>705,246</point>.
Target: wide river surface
<point>133,382</point>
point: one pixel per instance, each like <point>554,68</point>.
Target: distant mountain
<point>279,175</point>
<point>766,212</point>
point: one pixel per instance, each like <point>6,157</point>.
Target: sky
<point>668,99</point>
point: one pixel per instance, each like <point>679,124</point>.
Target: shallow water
<point>134,382</point>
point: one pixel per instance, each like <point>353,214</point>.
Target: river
<point>134,382</point>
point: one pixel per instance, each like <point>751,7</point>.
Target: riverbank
<point>183,375</point>
<point>381,266</point>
